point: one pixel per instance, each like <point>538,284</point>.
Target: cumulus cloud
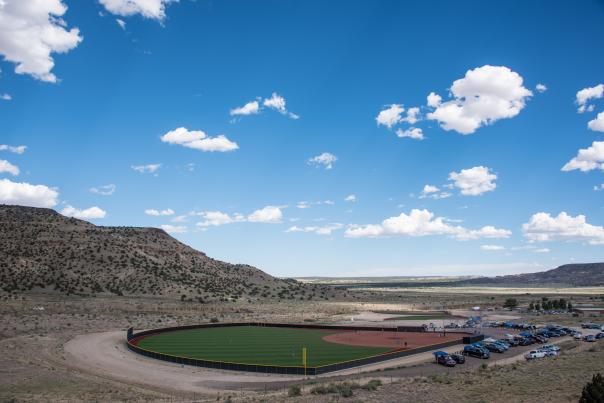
<point>7,167</point>
<point>433,100</point>
<point>390,116</point>
<point>157,213</point>
<point>6,97</point>
<point>433,192</point>
<point>86,214</point>
<point>542,227</point>
<point>268,214</point>
<point>30,31</point>
<point>541,88</point>
<point>105,190</point>
<point>587,94</point>
<point>319,230</point>
<point>251,108</point>
<point>351,198</point>
<point>492,248</point>
<point>414,133</point>
<point>587,159</point>
<point>198,140</point>
<point>474,181</point>
<point>25,194</point>
<point>420,223</point>
<point>13,149</point>
<point>597,124</point>
<point>485,95</point>
<point>277,102</point>
<point>174,229</point>
<point>144,169</point>
<point>153,9</point>
<point>325,159</point>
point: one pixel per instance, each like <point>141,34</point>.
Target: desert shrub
<point>593,392</point>
<point>294,390</point>
<point>372,385</point>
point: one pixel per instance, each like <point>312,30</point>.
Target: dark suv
<point>476,351</point>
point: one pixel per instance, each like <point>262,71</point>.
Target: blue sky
<point>131,98</point>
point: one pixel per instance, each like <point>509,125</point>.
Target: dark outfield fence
<point>133,338</point>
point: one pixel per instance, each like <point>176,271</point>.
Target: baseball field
<point>279,346</point>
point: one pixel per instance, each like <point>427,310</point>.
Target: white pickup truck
<point>531,355</point>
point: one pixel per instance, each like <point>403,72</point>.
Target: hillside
<point>568,275</point>
<point>43,251</point>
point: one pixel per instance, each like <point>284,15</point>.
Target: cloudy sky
<point>315,138</point>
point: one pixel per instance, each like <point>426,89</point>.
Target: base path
<point>396,340</point>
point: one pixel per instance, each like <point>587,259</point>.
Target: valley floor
<point>64,348</point>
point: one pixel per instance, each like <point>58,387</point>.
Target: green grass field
<point>256,345</point>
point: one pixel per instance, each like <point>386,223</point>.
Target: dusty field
<point>61,350</point>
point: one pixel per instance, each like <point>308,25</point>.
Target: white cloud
<point>325,159</point>
<point>251,108</point>
<point>587,94</point>
<point>121,23</point>
<point>597,124</point>
<point>542,227</point>
<point>542,250</point>
<point>24,194</point>
<point>390,116</point>
<point>7,167</point>
<point>599,187</point>
<point>412,116</point>
<point>433,100</point>
<point>149,168</point>
<point>319,230</point>
<point>154,9</point>
<point>86,214</point>
<point>198,140</point>
<point>180,218</point>
<point>484,96</point>
<point>277,102</point>
<point>6,97</point>
<point>587,159</point>
<point>414,132</point>
<point>30,31</point>
<point>303,205</point>
<point>541,88</point>
<point>13,149</point>
<point>474,181</point>
<point>174,229</point>
<point>268,214</point>
<point>422,223</point>
<point>157,213</point>
<point>216,218</point>
<point>433,192</point>
<point>105,190</point>
<point>492,248</point>
<point>351,198</point>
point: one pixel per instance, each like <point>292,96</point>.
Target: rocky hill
<point>568,275</point>
<point>43,251</point>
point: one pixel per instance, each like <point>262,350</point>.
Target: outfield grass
<point>256,345</point>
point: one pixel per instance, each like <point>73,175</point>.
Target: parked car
<point>531,355</point>
<point>525,341</point>
<point>550,347</point>
<point>459,358</point>
<point>600,335</point>
<point>577,336</point>
<point>549,353</point>
<point>590,338</point>
<point>476,351</point>
<point>444,359</point>
<point>494,347</point>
